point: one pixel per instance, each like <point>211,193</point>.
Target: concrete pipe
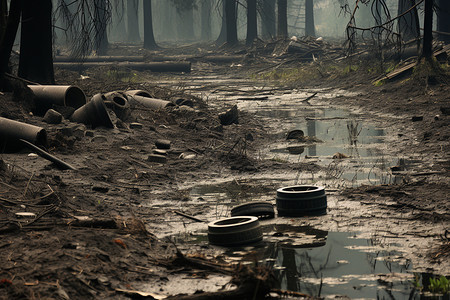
<point>62,95</point>
<point>142,93</point>
<point>151,103</point>
<point>11,132</point>
<point>118,102</point>
<point>93,113</point>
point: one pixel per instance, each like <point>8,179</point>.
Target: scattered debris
<point>230,117</point>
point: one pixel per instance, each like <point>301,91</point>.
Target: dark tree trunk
<point>252,25</point>
<point>428,30</point>
<point>223,30</point>
<point>206,7</point>
<point>149,37</point>
<point>101,37</point>
<point>309,18</point>
<point>186,24</point>
<point>36,59</point>
<point>268,19</point>
<point>132,21</point>
<point>282,30</point>
<point>7,41</point>
<point>230,15</point>
<point>3,16</point>
<point>408,25</point>
<point>443,20</point>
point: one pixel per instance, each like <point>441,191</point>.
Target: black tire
<point>301,200</point>
<point>235,231</point>
<point>261,209</point>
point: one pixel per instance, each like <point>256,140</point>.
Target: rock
<point>157,158</point>
<point>162,144</point>
<point>159,151</point>
<point>339,155</point>
<point>89,133</point>
<point>295,134</point>
<point>417,118</point>
<point>136,125</point>
<point>445,110</point>
<point>230,117</point>
<point>52,117</point>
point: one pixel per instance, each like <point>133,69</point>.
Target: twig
<point>28,184</point>
<point>188,216</point>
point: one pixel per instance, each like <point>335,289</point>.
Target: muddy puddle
<point>327,263</point>
<point>352,150</point>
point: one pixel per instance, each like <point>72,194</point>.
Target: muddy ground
<point>105,227</point>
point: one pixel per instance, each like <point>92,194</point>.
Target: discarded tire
<point>235,231</point>
<point>262,210</point>
<point>301,200</point>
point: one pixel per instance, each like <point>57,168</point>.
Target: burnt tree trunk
<point>282,30</point>
<point>3,16</point>
<point>231,18</point>
<point>206,7</point>
<point>427,50</point>
<point>101,36</point>
<point>149,37</point>
<point>443,20</point>
<point>36,42</point>
<point>268,19</point>
<point>132,21</point>
<point>252,23</point>
<point>223,30</point>
<point>408,25</point>
<point>7,40</point>
<point>309,18</point>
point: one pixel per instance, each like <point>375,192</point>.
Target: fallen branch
<point>188,216</point>
<point>63,165</point>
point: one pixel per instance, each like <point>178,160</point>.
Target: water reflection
<point>314,261</point>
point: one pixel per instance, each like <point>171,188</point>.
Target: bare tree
<point>282,29</point>
<point>149,38</point>
<point>268,19</point>
<point>252,25</point>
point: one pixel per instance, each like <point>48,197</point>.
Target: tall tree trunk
<point>186,24</point>
<point>428,30</point>
<point>268,19</point>
<point>309,18</point>
<point>282,30</point>
<point>206,7</point>
<point>231,18</point>
<point>223,30</point>
<point>408,25</point>
<point>7,41</point>
<point>149,38</point>
<point>132,21</point>
<point>3,17</point>
<point>36,42</point>
<point>443,20</point>
<point>252,25</point>
<point>101,37</point>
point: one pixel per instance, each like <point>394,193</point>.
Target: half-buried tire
<point>260,209</point>
<point>235,231</point>
<point>301,200</point>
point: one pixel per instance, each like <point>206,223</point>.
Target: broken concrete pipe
<point>148,102</point>
<point>11,132</point>
<point>61,95</point>
<point>93,113</point>
<point>118,102</point>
